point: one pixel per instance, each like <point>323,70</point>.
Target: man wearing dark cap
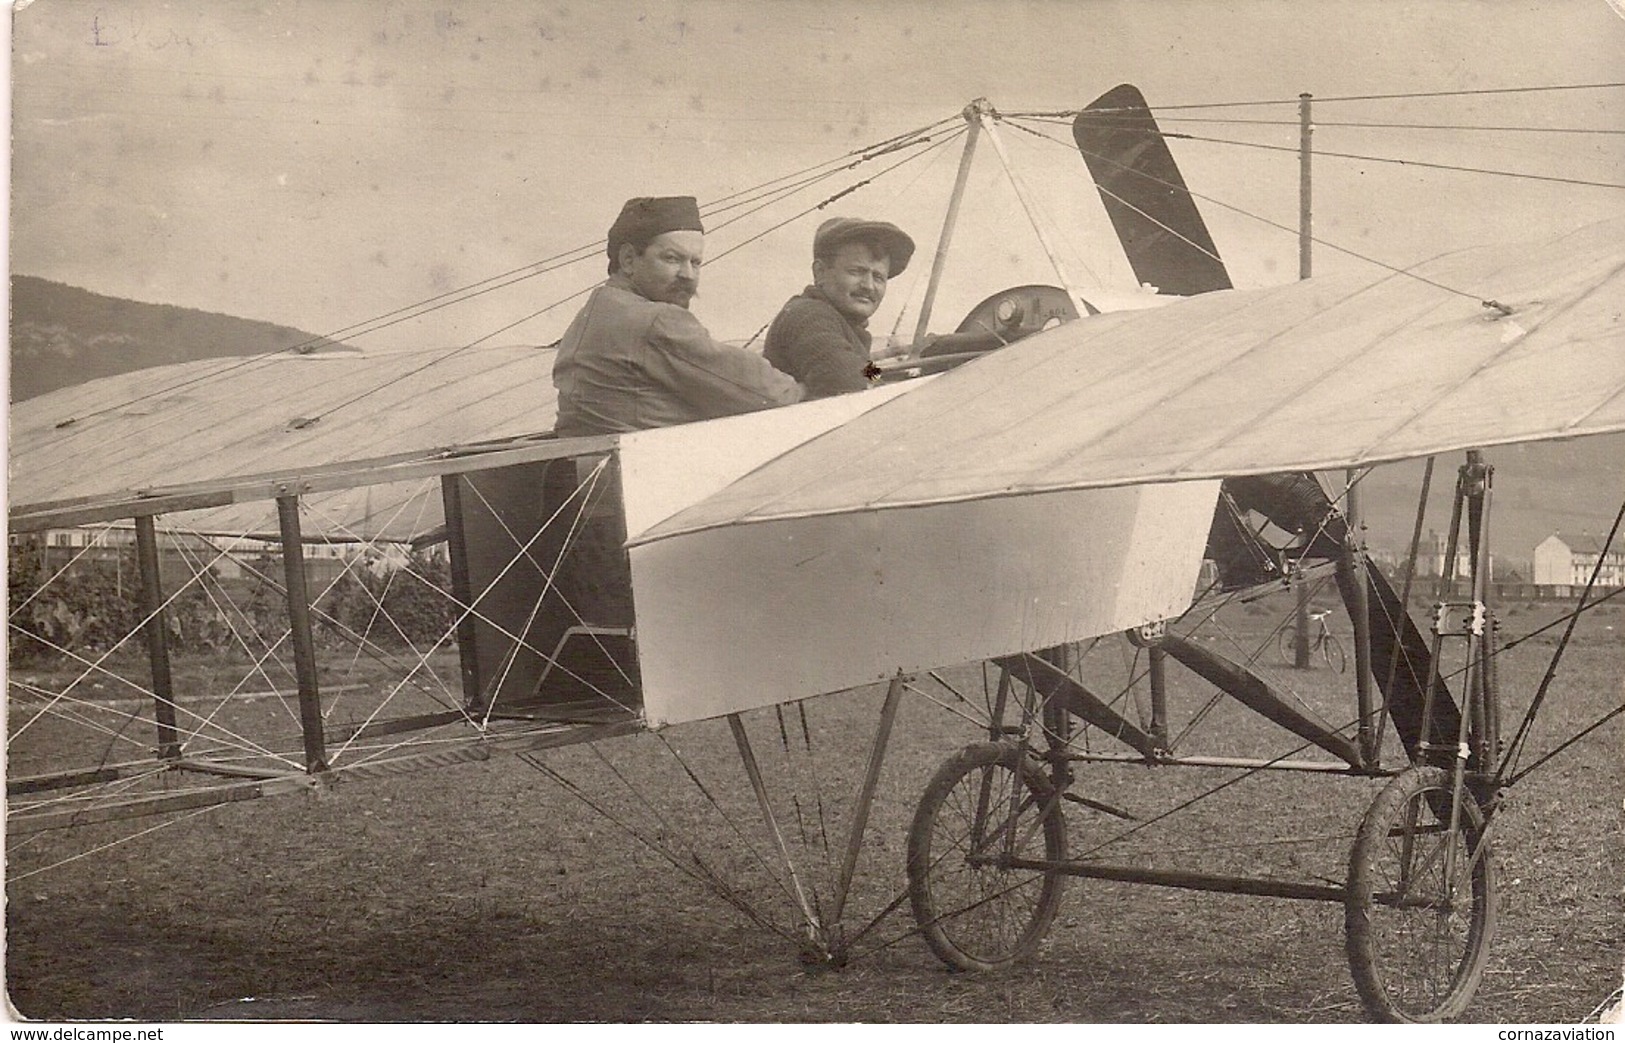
<point>821,336</point>
<point>634,357</point>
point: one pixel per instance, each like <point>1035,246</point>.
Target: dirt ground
<point>487,892</point>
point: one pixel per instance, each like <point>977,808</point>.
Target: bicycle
<point>1321,640</point>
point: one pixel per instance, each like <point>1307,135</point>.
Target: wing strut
<point>952,218</point>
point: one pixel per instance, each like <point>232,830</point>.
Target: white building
<point>227,557</point>
<point>1432,560</point>
<point>1558,564</point>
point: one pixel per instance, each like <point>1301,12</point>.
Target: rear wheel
<point>1421,900</point>
<point>1287,645</point>
<point>985,806</point>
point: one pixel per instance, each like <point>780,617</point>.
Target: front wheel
<point>1421,900</point>
<point>976,911</point>
<point>1332,649</point>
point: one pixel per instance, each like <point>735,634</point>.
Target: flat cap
<point>645,217</point>
<point>896,244</point>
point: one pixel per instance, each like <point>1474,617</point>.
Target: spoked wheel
<point>1286,645</point>
<point>1421,901</point>
<point>977,912</point>
<point>1332,649</point>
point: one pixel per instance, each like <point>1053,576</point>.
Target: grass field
<point>489,891</point>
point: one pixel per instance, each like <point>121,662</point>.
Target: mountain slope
<point>62,335</point>
<point>1570,487</point>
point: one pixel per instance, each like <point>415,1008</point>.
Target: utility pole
<point>1306,128</point>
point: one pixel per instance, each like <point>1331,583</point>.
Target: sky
<point>322,163</point>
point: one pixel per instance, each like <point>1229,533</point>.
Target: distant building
<point>1432,556</point>
<point>231,557</point>
<point>1559,564</point>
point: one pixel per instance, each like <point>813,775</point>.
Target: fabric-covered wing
<point>1324,373</point>
<point>214,421</point>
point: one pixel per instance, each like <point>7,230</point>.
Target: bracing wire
<point>1345,97</point>
<point>113,843</point>
<point>446,356</point>
<point>1395,160</point>
<point>1515,749</point>
<point>943,142</point>
<point>1273,224</point>
<point>585,290</point>
<point>547,265</point>
<point>1520,175</point>
<point>696,868</point>
<point>1176,233</point>
<point>1375,125</point>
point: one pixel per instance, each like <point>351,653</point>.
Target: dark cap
<point>645,217</point>
<point>887,237</point>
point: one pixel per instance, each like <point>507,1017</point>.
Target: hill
<point>1573,488</point>
<point>62,335</point>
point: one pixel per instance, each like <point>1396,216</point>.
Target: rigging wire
<point>1411,163</point>
<point>588,289</point>
<point>565,258</point>
<point>1273,224</point>
<point>780,195</point>
<point>1374,159</point>
<point>1514,750</point>
<point>744,197</point>
<point>695,867</point>
<point>195,812</point>
<point>1176,233</point>
<point>1344,97</point>
<point>943,142</point>
<point>1319,124</point>
<point>585,290</point>
<point>544,266</point>
<point>590,250</point>
<point>862,155</point>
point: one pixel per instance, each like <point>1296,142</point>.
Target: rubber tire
<point>952,935</point>
<point>1284,643</point>
<point>1380,969</point>
<point>1332,649</point>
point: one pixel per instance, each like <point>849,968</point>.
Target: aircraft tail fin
<point>1156,219</point>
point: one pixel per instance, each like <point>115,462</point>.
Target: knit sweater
<point>818,345</point>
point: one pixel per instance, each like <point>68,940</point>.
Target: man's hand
<point>891,350</point>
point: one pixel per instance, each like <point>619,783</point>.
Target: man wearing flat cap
<point>821,336</point>
<point>634,357</point>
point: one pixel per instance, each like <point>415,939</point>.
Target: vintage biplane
<point>1064,506</point>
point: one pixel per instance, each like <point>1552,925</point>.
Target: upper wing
<point>1318,374</point>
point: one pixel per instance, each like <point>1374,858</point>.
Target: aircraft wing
<point>201,424</point>
<point>1325,373</point>
<point>1063,487</point>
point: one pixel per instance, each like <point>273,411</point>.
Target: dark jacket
<point>818,345</point>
